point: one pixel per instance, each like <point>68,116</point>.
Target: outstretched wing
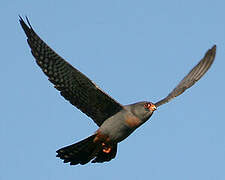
<point>72,84</point>
<point>193,76</point>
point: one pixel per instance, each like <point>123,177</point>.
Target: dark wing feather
<point>193,76</point>
<point>72,84</point>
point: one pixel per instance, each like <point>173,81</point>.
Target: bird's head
<point>143,110</point>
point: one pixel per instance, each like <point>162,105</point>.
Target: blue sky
<point>134,50</point>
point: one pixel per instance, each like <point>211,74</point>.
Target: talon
<point>106,149</point>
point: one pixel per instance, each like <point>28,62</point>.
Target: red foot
<point>106,149</point>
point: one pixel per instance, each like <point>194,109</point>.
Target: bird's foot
<point>106,149</point>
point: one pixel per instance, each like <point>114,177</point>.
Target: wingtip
<point>212,51</point>
<point>20,18</point>
<point>23,22</point>
<point>26,26</point>
<point>28,22</point>
<point>214,47</point>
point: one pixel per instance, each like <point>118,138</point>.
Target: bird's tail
<point>84,151</point>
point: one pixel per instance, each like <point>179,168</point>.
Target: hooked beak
<point>152,107</point>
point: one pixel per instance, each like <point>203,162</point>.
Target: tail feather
<point>80,152</point>
<point>84,151</point>
<point>103,157</point>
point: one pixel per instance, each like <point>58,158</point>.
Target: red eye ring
<point>147,105</point>
<point>150,106</point>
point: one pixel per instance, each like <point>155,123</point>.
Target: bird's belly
<point>116,129</point>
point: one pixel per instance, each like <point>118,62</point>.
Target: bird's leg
<point>106,149</point>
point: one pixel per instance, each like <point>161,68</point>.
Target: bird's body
<point>116,128</point>
<point>123,123</point>
<point>113,130</point>
<point>116,122</point>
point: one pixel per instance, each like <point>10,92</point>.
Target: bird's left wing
<point>192,77</point>
<point>74,86</point>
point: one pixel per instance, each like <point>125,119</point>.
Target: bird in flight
<point>115,121</point>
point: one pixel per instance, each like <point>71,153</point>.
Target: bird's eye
<point>150,107</point>
<point>147,106</point>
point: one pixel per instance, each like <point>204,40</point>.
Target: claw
<point>106,149</point>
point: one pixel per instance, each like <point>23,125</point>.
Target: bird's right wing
<point>192,77</point>
<point>72,84</point>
